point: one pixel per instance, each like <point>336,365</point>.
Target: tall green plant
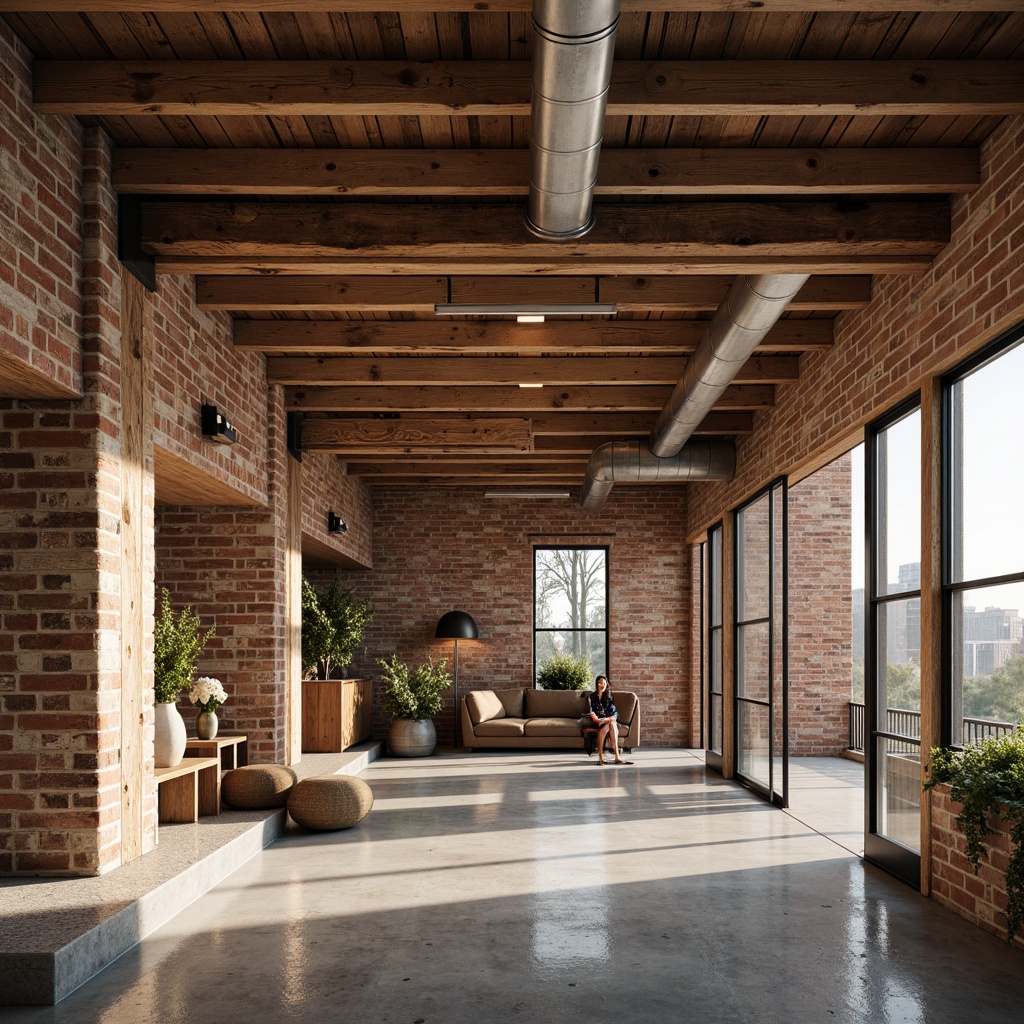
<point>413,693</point>
<point>177,644</point>
<point>332,626</point>
<point>564,672</point>
<point>988,780</point>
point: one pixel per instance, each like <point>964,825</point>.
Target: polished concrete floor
<point>827,795</point>
<point>539,887</point>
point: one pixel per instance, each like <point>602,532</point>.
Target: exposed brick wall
<point>980,897</point>
<point>195,362</point>
<point>326,486</point>
<point>438,549</point>
<point>60,513</point>
<point>40,236</point>
<point>820,608</point>
<point>915,328</point>
<point>228,563</point>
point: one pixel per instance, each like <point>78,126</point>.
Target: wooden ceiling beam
<point>512,401</point>
<point>440,172</point>
<point>425,337</point>
<point>327,293</point>
<point>492,6</point>
<point>550,371</point>
<point>780,228</point>
<point>435,432</point>
<point>567,263</point>
<point>806,88</point>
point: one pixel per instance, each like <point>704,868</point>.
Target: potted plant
<point>988,782</point>
<point>207,694</point>
<point>177,644</point>
<point>564,672</point>
<point>413,697</point>
<point>332,627</point>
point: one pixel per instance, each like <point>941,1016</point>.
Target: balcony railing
<point>908,723</point>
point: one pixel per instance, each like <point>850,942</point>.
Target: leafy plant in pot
<point>177,644</point>
<point>332,627</point>
<point>412,697</point>
<point>988,782</point>
<point>564,672</point>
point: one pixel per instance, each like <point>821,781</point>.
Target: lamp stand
<point>458,710</point>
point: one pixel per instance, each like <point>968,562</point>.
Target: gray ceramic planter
<point>412,737</point>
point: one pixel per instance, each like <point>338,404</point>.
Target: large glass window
<point>570,606</point>
<point>713,647</point>
<point>984,564</point>
<point>894,657</point>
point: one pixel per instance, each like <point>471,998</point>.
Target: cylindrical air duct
<point>573,47</point>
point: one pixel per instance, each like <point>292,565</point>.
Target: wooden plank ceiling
<point>329,172</point>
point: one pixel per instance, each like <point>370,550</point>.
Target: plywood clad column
<point>293,614</point>
<point>931,602</point>
<point>728,646</point>
<point>136,581</point>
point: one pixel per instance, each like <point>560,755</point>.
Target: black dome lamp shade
<point>456,625</point>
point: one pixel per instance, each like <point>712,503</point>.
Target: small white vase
<point>206,725</point>
<point>169,736</point>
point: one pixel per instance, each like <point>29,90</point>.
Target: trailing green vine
<point>988,780</point>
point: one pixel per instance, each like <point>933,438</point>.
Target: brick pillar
<point>60,522</point>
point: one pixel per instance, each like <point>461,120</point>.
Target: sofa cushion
<point>483,706</point>
<point>555,704</point>
<point>552,727</point>
<point>500,727</point>
<point>511,701</point>
<point>625,705</point>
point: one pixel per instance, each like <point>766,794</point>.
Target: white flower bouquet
<point>207,693</point>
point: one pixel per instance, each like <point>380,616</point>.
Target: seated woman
<point>604,717</point>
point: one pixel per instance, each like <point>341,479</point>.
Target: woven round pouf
<point>328,802</point>
<point>257,787</point>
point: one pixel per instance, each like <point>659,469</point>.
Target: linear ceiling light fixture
<point>520,309</point>
<point>526,494</point>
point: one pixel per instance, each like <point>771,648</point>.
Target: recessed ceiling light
<point>530,318</point>
<point>531,385</point>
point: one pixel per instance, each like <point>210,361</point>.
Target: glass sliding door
<point>760,643</point>
<point>713,648</point>
<point>893,644</point>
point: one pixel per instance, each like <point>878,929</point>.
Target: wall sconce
<point>335,524</point>
<point>215,426</point>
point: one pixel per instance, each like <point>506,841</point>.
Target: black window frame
<point>607,603</point>
<point>952,725</point>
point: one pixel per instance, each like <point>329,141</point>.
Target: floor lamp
<point>456,625</point>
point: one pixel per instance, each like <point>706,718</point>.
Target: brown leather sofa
<point>536,719</point>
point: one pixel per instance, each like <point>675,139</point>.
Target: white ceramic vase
<point>169,736</point>
<point>412,737</point>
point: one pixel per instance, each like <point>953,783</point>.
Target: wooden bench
<point>233,751</point>
<point>189,789</point>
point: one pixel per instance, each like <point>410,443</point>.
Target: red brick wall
<point>820,606</point>
<point>228,563</point>
<point>60,512</point>
<point>40,236</point>
<point>915,328</point>
<point>195,362</point>
<point>326,486</point>
<point>980,897</point>
<point>438,549</point>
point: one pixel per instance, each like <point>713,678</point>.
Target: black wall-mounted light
<point>216,427</point>
<point>335,524</point>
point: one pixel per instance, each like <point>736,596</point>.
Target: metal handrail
<point>907,724</point>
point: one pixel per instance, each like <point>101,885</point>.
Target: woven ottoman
<point>257,787</point>
<point>328,802</point>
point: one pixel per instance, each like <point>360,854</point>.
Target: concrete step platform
<point>59,932</point>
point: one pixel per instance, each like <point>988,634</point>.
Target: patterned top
<point>603,708</point>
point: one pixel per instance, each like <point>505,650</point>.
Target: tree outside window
<point>570,608</point>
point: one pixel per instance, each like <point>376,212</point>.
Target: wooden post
<point>293,614</point>
<point>136,582</point>
<point>728,646</point>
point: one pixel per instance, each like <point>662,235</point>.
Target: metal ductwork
<point>632,462</point>
<point>748,312</point>
<point>573,47</point>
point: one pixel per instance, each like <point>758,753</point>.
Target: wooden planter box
<point>336,713</point>
<point>980,897</point>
